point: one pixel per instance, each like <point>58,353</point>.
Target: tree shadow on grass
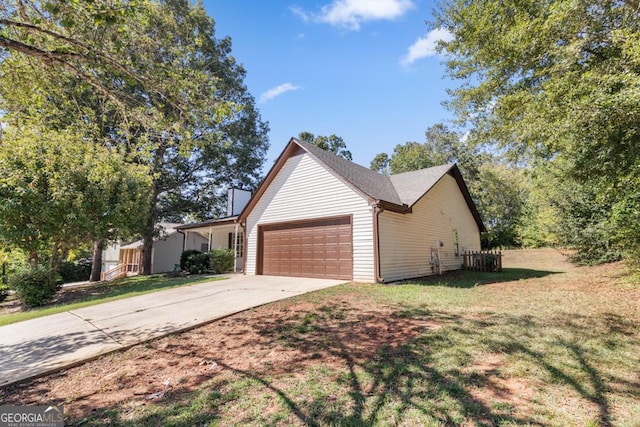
<point>431,373</point>
<point>381,379</point>
<point>470,279</point>
<point>410,366</point>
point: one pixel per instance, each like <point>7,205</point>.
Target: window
<point>456,243</point>
<point>204,247</point>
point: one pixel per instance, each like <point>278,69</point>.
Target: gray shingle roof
<point>397,193</point>
<point>405,188</point>
<point>371,183</point>
<point>411,186</point>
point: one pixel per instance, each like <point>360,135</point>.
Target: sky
<point>365,70</point>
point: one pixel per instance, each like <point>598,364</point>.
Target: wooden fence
<point>483,261</point>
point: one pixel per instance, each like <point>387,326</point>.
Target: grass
<point>537,345</point>
<point>105,292</point>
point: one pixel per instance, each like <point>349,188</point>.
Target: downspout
<point>377,210</point>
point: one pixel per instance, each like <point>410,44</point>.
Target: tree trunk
<point>147,251</point>
<point>148,234</point>
<point>149,228</point>
<point>96,260</point>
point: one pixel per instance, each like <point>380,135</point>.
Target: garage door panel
<point>320,248</point>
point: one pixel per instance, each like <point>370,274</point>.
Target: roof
<point>168,228</point>
<point>396,192</point>
<point>369,182</point>
<point>209,223</point>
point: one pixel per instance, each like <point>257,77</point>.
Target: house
<point>119,260</point>
<point>319,215</point>
<point>223,233</point>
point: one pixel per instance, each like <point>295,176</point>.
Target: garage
<point>315,248</point>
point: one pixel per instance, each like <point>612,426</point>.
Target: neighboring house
<point>119,260</point>
<point>319,215</point>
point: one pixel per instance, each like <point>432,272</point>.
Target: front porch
<point>222,233</point>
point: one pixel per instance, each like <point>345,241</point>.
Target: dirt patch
<point>497,388</point>
<point>271,340</point>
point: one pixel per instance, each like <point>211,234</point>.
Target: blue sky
<point>360,69</point>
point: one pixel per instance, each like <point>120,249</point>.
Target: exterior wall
<point>219,239</point>
<point>305,190</point>
<point>167,251</point>
<point>192,241</point>
<point>406,240</point>
<point>110,257</point>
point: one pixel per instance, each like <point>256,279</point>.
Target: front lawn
<point>72,298</point>
<point>543,344</point>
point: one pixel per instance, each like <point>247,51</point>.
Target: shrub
<point>36,287</point>
<point>75,272</point>
<point>4,291</point>
<point>222,260</point>
<point>195,262</point>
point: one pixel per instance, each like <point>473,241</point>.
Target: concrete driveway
<point>35,347</point>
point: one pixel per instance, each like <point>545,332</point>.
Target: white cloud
<point>350,14</point>
<point>426,46</point>
<point>277,91</point>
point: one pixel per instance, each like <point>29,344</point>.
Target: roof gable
<point>397,192</point>
<point>411,186</point>
<point>376,186</point>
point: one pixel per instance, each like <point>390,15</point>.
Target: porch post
<point>210,238</point>
<point>235,248</point>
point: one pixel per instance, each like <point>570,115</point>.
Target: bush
<point>36,287</point>
<point>75,272</point>
<point>4,291</point>
<point>195,262</point>
<point>222,260</point>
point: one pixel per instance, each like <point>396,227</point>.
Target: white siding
<point>167,251</point>
<point>406,240</point>
<point>110,257</point>
<point>303,189</point>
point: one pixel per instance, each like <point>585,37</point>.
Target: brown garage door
<point>320,248</point>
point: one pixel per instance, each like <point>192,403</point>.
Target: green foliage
<point>4,291</point>
<point>222,260</point>
<point>380,164</point>
<point>500,194</point>
<point>154,85</point>
<point>625,218</point>
<point>75,271</point>
<point>194,261</point>
<point>557,82</point>
<point>584,223</point>
<point>332,143</point>
<point>61,192</point>
<point>36,287</point>
<point>498,190</point>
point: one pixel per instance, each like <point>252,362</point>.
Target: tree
<point>498,190</point>
<point>59,192</point>
<point>380,164</point>
<point>553,81</point>
<point>179,106</point>
<point>332,143</point>
<point>500,194</point>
